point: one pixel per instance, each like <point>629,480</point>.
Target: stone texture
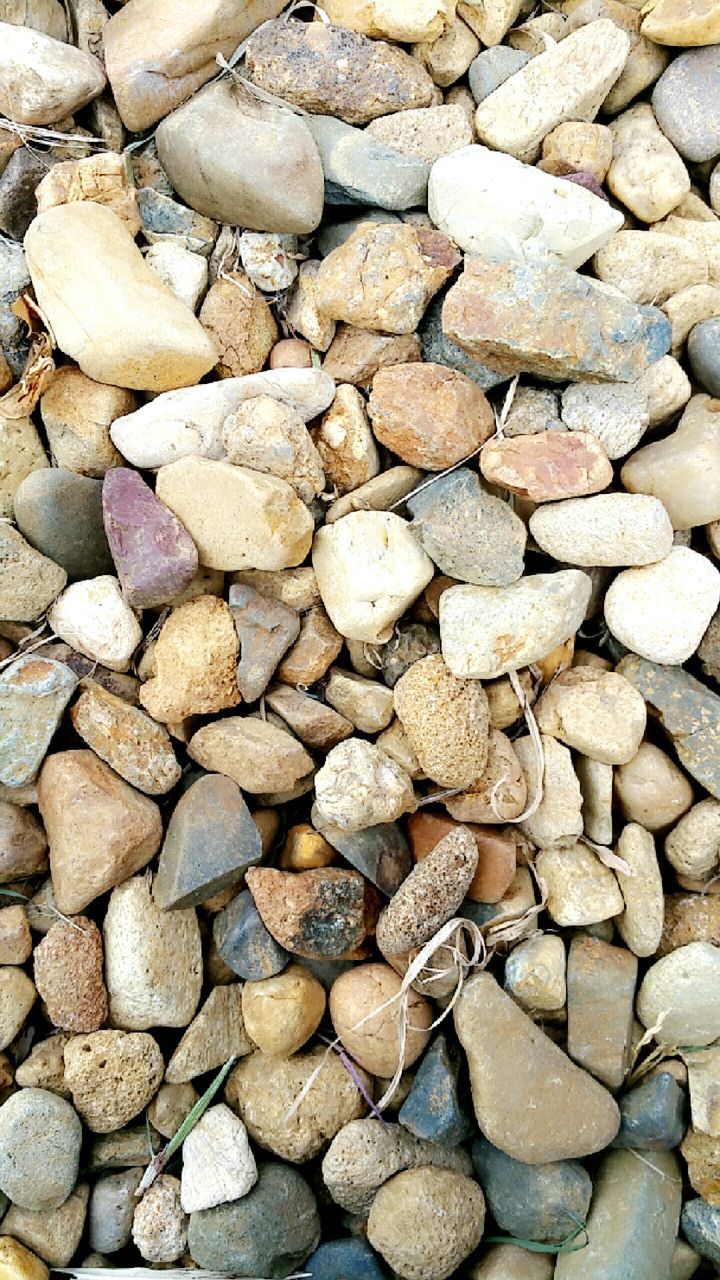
<point>40,1136</point>
<point>499,793</point>
<point>44,79</point>
<point>577,147</point>
<point>21,453</point>
<point>606,529</point>
<point>112,1076</point>
<point>315,723</point>
<point>641,924</point>
<point>448,1216</point>
<point>159,1229</point>
<point>23,844</point>
<point>662,611</point>
<point>687,710</point>
<point>536,1202</point>
<point>601,991</point>
<point>29,582</point>
<point>92,617</point>
<point>359,786</point>
<point>646,172</point>
<point>548,466</point>
<point>273,1228</point>
<point>240,324</point>
<point>685,103</point>
<point>154,556</point>
<point>318,914</point>
<point>34,692</point>
<point>268,436</point>
<point>652,1115</point>
<point>424,135</point>
<point>429,415</point>
<point>110,1211</point>
<point>53,1234</point>
<point>596,712</point>
<point>689,917</point>
<point>259,757</point>
<point>17,1262</point>
<point>77,413</point>
<point>127,739</point>
<point>651,789</point>
<point>693,846</point>
<point>367,1152</point>
<point>265,628</point>
<point>430,895</point>
<point>471,535</point>
<point>535,973</point>
<point>681,470</point>
<point>104,179</point>
<point>68,973</point>
<point>17,997</point>
<point>216,1033</point>
<point>218,1165</point>
<point>211,840</point>
<point>433,1109</point>
<point>244,944</point>
<point>680,992</point>
<point>581,889</point>
<point>361,168</point>
<point>439,712</point>
<point>356,997</point>
<point>194,662</point>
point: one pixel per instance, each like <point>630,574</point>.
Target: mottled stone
<point>29,581</point>
<point>700,1222</point>
<point>53,1234</point>
<point>40,1136</point>
<point>268,436</point>
<point>77,414</point>
<point>94,1066</point>
<point>21,452</point>
<point>439,712</point>
<point>218,1165</point>
<point>429,415</point>
<point>536,1202</point>
<point>581,889</point>
<point>166,221</point>
<point>688,712</point>
<point>211,840</point>
<point>127,739</point>
<point>427,134</point>
<point>321,913</point>
<point>361,168</point>
<point>68,973</point>
<point>470,534</point>
<point>356,354</point>
<point>159,1229</point>
<point>689,917</point>
<point>194,662</point>
<point>273,1228</point>
<point>652,1115</point>
<point>430,894</point>
<point>598,713</point>
<point>367,1152</point>
<point>154,556</point>
<point>34,692</point>
<point>548,466</point>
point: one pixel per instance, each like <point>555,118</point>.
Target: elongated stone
<point>34,692</point>
<point>360,169</point>
<point>131,742</point>
<point>154,555</point>
<point>211,840</point>
<point>548,466</point>
<point>601,991</point>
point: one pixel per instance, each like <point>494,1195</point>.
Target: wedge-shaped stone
<point>42,79</point>
<point>211,840</point>
<point>216,1033</point>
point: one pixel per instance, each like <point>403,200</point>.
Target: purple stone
<point>588,181</point>
<point>154,555</point>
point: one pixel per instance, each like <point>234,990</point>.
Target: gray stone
<point>110,1213</point>
<point>701,1225</point>
<point>269,1232</point>
<point>470,535</point>
<point>410,643</point>
<point>244,943</point>
<point>332,234</point>
<point>163,217</point>
<point>633,1220</point>
<point>600,997</point>
<point>265,628</point>
<point>34,692</point>
<point>704,354</point>
<point>652,1115</point>
<point>433,1109</point>
<point>686,101</point>
<point>380,853</point>
<point>532,1201</point>
<point>18,206</point>
<point>438,348</point>
<point>360,170</point>
<point>14,277</point>
<point>211,840</point>
<point>688,712</point>
<point>60,514</point>
<point>40,1136</point>
<point>493,67</point>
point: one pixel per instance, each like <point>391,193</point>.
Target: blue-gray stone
<point>34,692</point>
<point>14,277</point>
<point>437,348</point>
<point>60,514</point>
<point>210,842</point>
<point>380,853</point>
<point>652,1116</point>
<point>333,234</point>
<point>244,943</point>
<point>469,534</point>
<point>688,711</point>
<point>686,101</point>
<point>269,1232</point>
<point>492,68</point>
<point>479,912</point>
<point>360,170</point>
<point>350,1259</point>
<point>326,971</point>
<point>704,354</point>
<point>433,1109</point>
<point>161,216</point>
<point>411,642</point>
<point>18,206</point>
<point>700,1223</point>
<point>541,1202</point>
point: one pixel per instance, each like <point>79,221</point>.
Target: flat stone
<point>313,722</point>
<point>650,269</point>
<point>380,852</point>
<point>581,889</point>
<point>646,172</point>
<point>316,648</point>
<point>259,757</point>
<point>548,466</point>
<point>194,662</point>
<point>29,581</point>
<point>652,1115</point>
<point>154,556</point>
<point>321,913</point>
<point>244,943</point>
<point>361,168</point>
<point>605,529</point>
<point>23,844</point>
<point>68,972</point>
<point>448,1214</point>
<point>273,1228</point>
<point>265,629</point>
<point>688,712</point>
<point>499,312</point>
<point>679,992</point>
<point>424,135</point>
<point>662,611</point>
<point>598,713</point>
<point>601,992</point>
<point>218,1165</point>
<point>641,924</point>
<point>685,103</point>
<point>211,840</point>
<point>536,1202</point>
<point>53,1234</point>
<point>34,692</point>
<point>92,617</point>
<point>299,63</point>
<point>433,1109</point>
<point>429,415</point>
<point>567,1113</point>
<point>470,534</point>
<point>43,79</point>
<point>40,1137</point>
<point>44,1067</point>
<point>216,1033</point>
<point>127,739</point>
<point>111,1208</point>
<point>681,469</point>
<point>126,1148</point>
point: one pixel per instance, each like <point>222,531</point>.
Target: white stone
<point>646,173</point>
<point>359,786</point>
<point>303,316</point>
<point>42,79</point>
<point>605,529</point>
<point>190,421</point>
<point>662,611</point>
<point>93,617</point>
<point>490,22</point>
<point>698,235</point>
<point>369,570</point>
<point>667,388</point>
<point>185,273</point>
<point>650,268</point>
<point>568,82</point>
<point>557,821</point>
<point>598,713</point>
<point>693,846</point>
<point>269,259</point>
<point>596,784</point>
<point>535,973</point>
<point>393,19</point>
<point>617,413</point>
<point>486,631</point>
<point>218,1164</point>
<point>492,204</point>
<point>703,1070</point>
<point>681,991</point>
<point>581,889</point>
<point>641,924</point>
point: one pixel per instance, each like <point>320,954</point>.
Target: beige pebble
<point>266,435</point>
<point>425,1222</point>
<point>359,786</point>
<point>345,442</point>
<point>500,792</point>
<point>647,174</point>
<point>356,995</point>
<point>557,821</point>
<point>693,845</point>
<point>598,713</point>
<point>195,662</point>
<point>17,997</point>
<point>446,720</point>
<point>159,1228</point>
<point>92,616</point>
<point>283,1012</point>
<point>581,890</point>
<point>112,1076</point>
<point>216,1033</point>
<point>218,1165</point>
<point>535,973</point>
<point>651,789</point>
<point>367,704</point>
<point>641,924</point>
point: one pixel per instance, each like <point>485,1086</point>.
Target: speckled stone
<point>688,712</point>
<point>319,914</point>
<point>686,103</point>
<point>34,692</point>
<point>433,1108</point>
<point>532,1201</point>
<point>269,1231</point>
<point>469,534</point>
<point>701,1226</point>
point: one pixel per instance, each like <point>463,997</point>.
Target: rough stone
<point>159,1229</point>
<point>471,535</point>
<point>687,710</point>
<point>92,617</point>
<point>430,894</point>
<point>243,942</point>
<point>194,662</point>
<point>216,1033</point>
<point>548,466</point>
<point>265,628</point>
<point>273,1228</point>
<point>366,1153</point>
<point>29,582</point>
<point>581,889</point>
<point>447,1213</point>
<point>21,453</point>
<point>154,556</point>
<point>17,997</point>
<point>700,1222</point>
<point>112,1076</point>
<point>34,692</point>
<point>240,324</point>
<point>68,973</point>
<point>127,739</point>
<point>535,973</point>
<point>606,529</point>
<point>259,757</point>
<point>268,436</point>
<point>429,415</point>
<point>218,1165</point>
<point>44,79</point>
<point>427,134</point>
<point>318,914</point>
<point>646,172</point>
<point>595,712</point>
<point>439,712</point>
<point>77,413</point>
<point>40,1137</point>
<point>362,168</point>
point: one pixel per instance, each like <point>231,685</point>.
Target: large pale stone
<point>683,470</point>
<point>681,992</point>
<point>492,204</point>
<point>641,924</point>
<point>662,611</point>
<point>646,173</point>
<point>616,413</point>
<point>490,22</point>
<point>393,19</point>
<point>153,960</point>
<point>107,308</point>
<point>598,713</point>
<point>425,134</point>
<point>218,1164</point>
<point>683,22</point>
<point>581,889</point>
<point>359,786</point>
<point>258,756</point>
<point>605,529</point>
<point>43,80</point>
<point>650,268</point>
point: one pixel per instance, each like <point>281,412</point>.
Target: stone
<point>92,617</point>
<point>496,852</point>
<point>318,914</point>
<point>490,203</point>
<point>194,662</point>
<point>165,221</point>
<point>650,269</point>
<point>304,849</point>
<point>77,414</point>
<point>268,436</point>
<point>44,1067</point>
<point>281,1013</point>
<point>15,939</point>
<point>14,278</point>
<point>678,24</point>
<point>700,1222</point>
<point>17,997</point>
<point>126,1148</point>
<point>498,311</point>
<point>317,647</point>
<point>68,973</point>
<point>430,895</point>
<point>471,535</point>
<point>110,1211</point>
<point>53,1234</point>
<point>438,712</point>
<point>652,1115</point>
<point>633,1218</point>
<point>361,168</point>
<point>499,793</point>
<point>259,757</point>
<point>21,453</point>
<point>687,711</point>
<point>365,1153</point>
<point>410,642</point>
<point>576,147</point>
<point>359,786</point>
<point>693,846</point>
<point>702,237</point>
<point>295,588</point>
<point>381,493</point>
<point>240,324</point>
<point>103,178</point>
<point>356,997</point>
<point>18,184</point>
<point>171,1104</point>
<point>581,889</point>
<point>34,692</point>
<point>302,313</point>
<point>99,829</point>
<point>351,1258</point>
<point>153,962</point>
<point>314,723</point>
<point>685,104</point>
<point>493,67</point>
<point>678,991</point>
<point>605,529</point>
<point>367,704</point>
<point>355,354</point>
<point>159,1229</point>
<point>389,21</point>
<point>548,466</point>
<point>18,1263</point>
<point>662,611</point>
<point>447,1211</point>
<point>208,498</point>
<point>510,1262</point>
<point>243,942</point>
<point>29,582</point>
<point>218,1165</point>
<point>298,62</point>
<point>127,739</point>
<point>429,415</point>
<point>142,336</point>
<point>641,924</point>
<point>44,79</point>
<point>60,514</point>
<point>598,713</point>
<point>702,348</point>
<point>651,790</point>
<point>449,56</point>
<point>486,631</point>
<point>668,390</point>
<point>646,173</point>
<point>211,840</point>
<point>23,844</point>
<point>616,414</point>
<point>112,1076</point>
<point>40,1136</point>
<point>273,1228</point>
<point>183,272</point>
<point>601,990</point>
<point>433,1110</point>
<point>345,442</point>
<point>679,469</point>
<point>380,852</point>
<point>535,973</point>
<point>268,259</point>
<point>537,1202</point>
<point>689,917</point>
<point>216,1033</point>
<point>424,135</point>
<point>154,556</point>
<point>700,1150</point>
<point>531,103</point>
<point>688,308</point>
<point>438,348</point>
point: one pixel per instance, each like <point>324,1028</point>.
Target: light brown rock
<point>355,995</point>
<point>448,57</point>
<point>356,354</point>
<point>596,785</point>
<point>446,720</point>
<point>601,992</point>
<point>77,414</point>
<point>577,147</point>
<point>15,939</point>
<point>171,1104</point>
<point>267,435</point>
<point>693,845</point>
<point>367,704</point>
<point>216,1033</point>
<point>581,889</point>
<point>500,792</point>
<point>259,757</point>
<point>54,1234</point>
<point>651,789</point>
<point>426,134</point>
<point>315,723</point>
<point>429,415</point>
<point>535,973</point>
<point>548,466</point>
<point>641,924</point>
<point>18,1263</point>
<point>647,174</point>
<point>598,713</point>
<point>68,972</point>
<point>430,895</point>
<point>29,581</point>
<point>132,743</point>
<point>112,1076</point>
<point>103,178</point>
<point>557,821</point>
<point>359,786</point>
<point>283,1012</point>
<point>195,660</point>
<point>425,1222</point>
<point>314,651</point>
<point>687,308</point>
<point>17,997</point>
<point>346,443</point>
<point>23,844</point>
<point>44,1067</point>
<point>240,324</point>
<point>426,20</point>
<point>159,1229</point>
<point>42,79</point>
<point>365,1153</point>
<point>21,452</point>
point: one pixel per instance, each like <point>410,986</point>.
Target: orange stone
<point>549,465</point>
<point>496,852</point>
<point>429,415</point>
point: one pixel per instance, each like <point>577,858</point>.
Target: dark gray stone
<point>60,514</point>
<point>652,1116</point>
<point>162,217</point>
<point>244,943</point>
<point>492,68</point>
<point>18,206</point>
<point>433,1109</point>
<point>704,354</point>
<point>269,1232</point>
<point>470,534</point>
<point>350,1259</point>
<point>686,101</point>
<point>266,628</point>
<point>541,1202</point>
<point>14,277</point>
<point>380,853</point>
<point>211,840</point>
<point>688,712</point>
<point>437,348</point>
<point>700,1223</point>
<point>410,643</point>
<point>360,170</point>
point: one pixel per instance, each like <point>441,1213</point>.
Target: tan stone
<point>15,939</point>
<point>267,435</point>
<point>315,723</point>
<point>240,324</point>
<point>548,466</point>
<point>382,493</point>
<point>44,1067</point>
<point>424,20</point>
<point>701,1152</point>
<point>647,174</point>
<point>216,1033</point>
<point>510,1262</point>
<point>581,890</point>
<point>367,704</point>
<point>650,268</point>
<point>687,308</point>
<point>489,22</point>
<point>302,313</point>
<point>446,720</point>
<point>651,789</point>
<point>305,849</point>
<point>68,972</point>
<point>596,785</point>
<point>159,1228</point>
<point>535,973</point>
<point>195,662</point>
<point>77,414</point>
<point>394,742</point>
<point>698,236</point>
<point>100,829</point>
<point>367,1152</point>
<point>500,792</point>
<point>689,917</point>
<point>54,1234</point>
<point>425,1222</point>
<point>297,588</point>
<point>171,1104</point>
<point>359,786</point>
<point>426,134</point>
<point>21,452</point>
<point>448,57</point>
<point>132,743</point>
<point>496,852</point>
<point>103,178</point>
<point>43,80</point>
<point>112,1076</point>
<point>693,845</point>
<point>601,992</point>
<point>17,997</point>
<point>641,924</point>
<point>683,22</point>
<point>376,1044</point>
<point>429,415</point>
<point>598,713</point>
<point>346,443</point>
<point>557,821</point>
<point>257,756</point>
<point>355,354</point>
<point>576,147</point>
<point>314,651</point>
<point>683,470</point>
<point>283,1012</point>
<point>18,1263</point>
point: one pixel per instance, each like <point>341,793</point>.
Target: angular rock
<point>596,712</point>
<point>581,889</point>
<point>68,972</point>
<point>359,786</point>
<point>652,1115</point>
<point>239,321</point>
<point>427,21</point>
<point>77,414</point>
<point>166,221</point>
<point>127,739</point>
<point>216,1033</point>
<point>601,992</point>
<point>617,414</point>
<point>359,168</point>
<point>94,1065</point>
<point>53,1234</point>
<point>318,914</point>
<point>40,1137</point>
<point>429,415</point>
<point>194,662</point>
<point>273,1228</point>
<point>23,844</point>
<point>29,582</point>
<point>688,712</point>
<point>662,611</point>
<point>380,852</point>
<point>159,1229</point>
<point>103,178</point>
<point>185,273</point>
<point>34,692</point>
<point>43,79</point>
<point>651,268</point>
<point>154,556</point>
<point>243,942</point>
<point>433,1110</point>
<point>548,466</point>
<point>268,436</point>
<point>218,1165</point>
<point>211,840</point>
<point>314,723</point>
<point>259,757</point>
<point>470,534</point>
<point>700,1222</point>
<point>500,792</point>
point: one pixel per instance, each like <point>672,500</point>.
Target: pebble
<point>154,556</point>
<point>380,852</point>
<point>99,829</point>
<point>359,786</point>
<point>601,982</point>
<point>535,973</point>
<point>568,1114</point>
<point>685,104</point>
<point>686,709</point>
<point>652,1115</point>
<point>646,174</point>
<point>169,1107</point>
<point>44,79</point>
<point>243,942</point>
<point>259,757</point>
<point>548,466</point>
<point>95,1063</point>
<point>18,1263</point>
<point>110,1210</point>
<point>211,840</point>
<point>693,845</point>
<point>40,1137</point>
<point>194,662</point>
<point>268,436</point>
<point>680,989</point>
<point>360,167</point>
<point>510,1262</point>
<point>316,648</point>
<point>133,744</point>
<point>606,529</point>
<point>216,1033</point>
<point>446,720</point>
<point>680,470</point>
<point>240,324</point>
<point>345,442</point>
<point>218,1165</point>
<point>448,1216</point>
<point>34,692</point>
<point>641,606</point>
<point>689,917</point>
<point>321,913</point>
<point>281,1013</point>
<point>702,346</point>
<point>581,889</point>
<point>427,134</point>
<point>273,1228</point>
<point>596,712</point>
<point>93,617</point>
<point>159,1228</point>
<point>616,414</point>
<point>367,704</point>
<point>350,1257</point>
<point>430,416</point>
<point>641,924</point>
<point>77,414</point>
<point>15,939</point>
<point>23,844</point>
<point>430,894</point>
<point>68,974</point>
<point>536,1202</point>
<point>302,312</point>
<point>315,723</point>
<point>21,453</point>
<point>433,1109</point>
<point>29,582</point>
<point>268,259</point>
<point>17,997</point>
<point>266,628</point>
<point>153,962</point>
<point>651,790</point>
<point>701,1224</point>
<point>471,535</point>
<point>53,1234</point>
<point>576,147</point>
<point>183,272</point>
<point>499,793</point>
<point>366,1153</point>
<point>357,995</point>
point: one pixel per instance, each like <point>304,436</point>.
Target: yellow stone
<point>18,1263</point>
<point>305,849</point>
<point>683,22</point>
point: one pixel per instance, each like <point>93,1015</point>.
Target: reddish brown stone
<point>314,651</point>
<point>496,852</point>
<point>355,355</point>
<point>429,415</point>
<point>689,917</point>
<point>322,914</point>
<point>549,465</point>
<point>69,975</point>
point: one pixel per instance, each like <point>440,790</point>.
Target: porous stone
<point>112,1076</point>
<point>29,582</point>
<point>361,168</point>
<point>548,466</point>
<point>266,435</point>
<point>159,1229</point>
<point>259,757</point>
<point>693,845</point>
<point>359,786</point>
<point>430,895</point>
<point>127,739</point>
<point>216,1033</point>
<point>17,997</point>
<point>68,973</point>
<point>218,1165</point>
<point>438,712</point>
<point>581,889</point>
<point>598,713</point>
<point>40,1137</point>
<point>356,997</point>
<point>318,914</point>
<point>448,1213</point>
<point>605,529</point>
<point>240,324</point>
<point>689,917</point>
<point>34,692</point>
<point>194,662</point>
<point>616,414</point>
<point>679,992</point>
<point>662,611</point>
<point>44,79</point>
